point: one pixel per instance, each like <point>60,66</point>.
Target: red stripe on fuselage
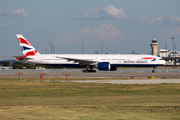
<point>21,40</point>
<point>148,58</point>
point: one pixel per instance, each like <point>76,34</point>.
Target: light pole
<point>82,48</point>
<point>51,46</point>
<point>46,50</point>
<point>175,54</point>
<point>53,49</point>
<point>166,53</point>
<point>101,49</point>
<point>173,51</point>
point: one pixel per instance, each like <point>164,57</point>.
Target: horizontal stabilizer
<point>22,58</point>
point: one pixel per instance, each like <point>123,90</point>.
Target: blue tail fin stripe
<point>25,48</point>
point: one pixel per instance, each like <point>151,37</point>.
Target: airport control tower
<point>154,46</point>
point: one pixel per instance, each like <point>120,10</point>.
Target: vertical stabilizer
<point>26,47</point>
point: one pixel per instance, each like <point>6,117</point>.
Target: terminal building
<point>170,56</point>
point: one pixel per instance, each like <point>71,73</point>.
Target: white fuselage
<point>117,60</point>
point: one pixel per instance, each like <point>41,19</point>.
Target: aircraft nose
<point>163,62</point>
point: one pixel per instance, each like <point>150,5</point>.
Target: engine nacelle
<point>104,66</point>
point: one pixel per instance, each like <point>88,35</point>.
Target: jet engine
<point>106,66</point>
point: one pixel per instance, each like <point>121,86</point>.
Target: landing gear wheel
<point>153,71</point>
<point>85,71</point>
<point>89,69</point>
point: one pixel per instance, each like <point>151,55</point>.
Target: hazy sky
<point>119,25</point>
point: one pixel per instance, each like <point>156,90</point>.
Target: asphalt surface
<point>100,75</point>
<point>144,81</point>
<point>169,77</point>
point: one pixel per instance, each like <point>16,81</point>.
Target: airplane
<point>104,62</point>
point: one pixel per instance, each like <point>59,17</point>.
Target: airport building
<point>170,56</point>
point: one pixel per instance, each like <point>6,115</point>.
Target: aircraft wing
<point>81,61</point>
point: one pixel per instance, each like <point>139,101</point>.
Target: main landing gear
<point>153,71</point>
<point>87,70</point>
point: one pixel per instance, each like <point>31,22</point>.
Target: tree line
<point>20,65</point>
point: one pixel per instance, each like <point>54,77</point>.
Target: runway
<point>144,81</point>
<point>140,78</point>
<point>100,74</point>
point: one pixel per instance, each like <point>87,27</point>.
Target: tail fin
<point>26,47</point>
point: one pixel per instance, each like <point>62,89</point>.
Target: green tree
<point>6,63</point>
<point>20,65</point>
<point>17,65</point>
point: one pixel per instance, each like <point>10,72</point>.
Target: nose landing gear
<point>153,71</point>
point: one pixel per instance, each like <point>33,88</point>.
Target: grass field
<point>80,101</point>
